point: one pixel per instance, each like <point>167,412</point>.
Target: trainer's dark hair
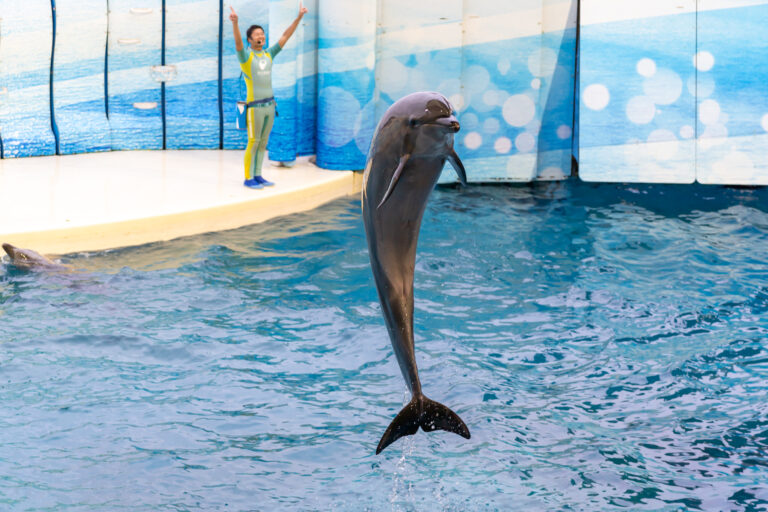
<point>251,29</point>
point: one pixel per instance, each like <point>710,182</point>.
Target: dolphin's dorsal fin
<point>456,163</point>
<point>395,177</point>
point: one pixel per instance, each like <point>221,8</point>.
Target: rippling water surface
<point>606,345</point>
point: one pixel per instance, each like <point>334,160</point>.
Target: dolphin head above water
<point>418,126</point>
<point>27,258</point>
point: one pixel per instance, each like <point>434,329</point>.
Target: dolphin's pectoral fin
<point>425,413</point>
<point>456,163</point>
<point>395,177</point>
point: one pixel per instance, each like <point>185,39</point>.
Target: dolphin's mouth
<point>448,122</point>
<point>9,249</point>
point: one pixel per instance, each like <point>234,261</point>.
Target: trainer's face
<point>257,39</point>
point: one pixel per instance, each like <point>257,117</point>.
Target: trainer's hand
<point>232,15</point>
<point>302,10</point>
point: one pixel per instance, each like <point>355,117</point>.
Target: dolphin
<point>29,259</point>
<point>410,146</point>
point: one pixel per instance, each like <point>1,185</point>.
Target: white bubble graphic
<point>764,122</point>
<point>596,96</point>
<point>542,62</point>
<point>646,67</point>
<point>476,80</point>
<point>709,112</point>
<point>704,61</point>
<point>687,132</point>
<point>536,83</point>
<point>491,125</point>
<point>494,97</point>
<point>392,76</point>
<point>641,110</point>
<point>703,89</point>
<point>473,140</point>
<point>503,65</point>
<point>525,142</point>
<point>563,131</point>
<point>502,145</point>
<point>518,110</point>
<point>450,87</point>
<point>457,101</point>
<point>469,121</point>
<point>664,87</point>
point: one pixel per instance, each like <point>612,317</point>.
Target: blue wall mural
<point>134,100</point>
<point>665,92</point>
<point>26,38</point>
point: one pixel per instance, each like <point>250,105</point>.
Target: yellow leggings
<point>260,120</point>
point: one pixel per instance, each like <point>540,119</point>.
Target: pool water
<point>605,344</point>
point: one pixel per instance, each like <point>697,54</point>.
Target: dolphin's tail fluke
<point>425,413</point>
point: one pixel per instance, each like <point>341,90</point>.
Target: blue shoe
<point>262,181</point>
<point>252,184</point>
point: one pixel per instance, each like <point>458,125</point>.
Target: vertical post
<point>50,82</point>
<point>162,84</point>
<point>221,75</point>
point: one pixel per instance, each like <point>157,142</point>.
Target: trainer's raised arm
<point>290,30</point>
<point>238,37</point>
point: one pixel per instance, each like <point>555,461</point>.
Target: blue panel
<point>732,69</point>
<point>346,61</point>
<point>192,96</point>
<point>636,112</point>
<point>26,31</point>
<point>504,69</point>
<point>418,52</point>
<point>134,100</point>
<point>78,76</point>
<point>306,88</point>
<point>250,12</point>
<point>282,145</point>
<point>557,84</point>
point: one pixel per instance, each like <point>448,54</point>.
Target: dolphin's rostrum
<point>29,259</point>
<point>413,141</point>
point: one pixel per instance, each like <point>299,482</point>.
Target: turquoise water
<point>604,344</point>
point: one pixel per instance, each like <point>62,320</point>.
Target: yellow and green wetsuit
<point>257,71</point>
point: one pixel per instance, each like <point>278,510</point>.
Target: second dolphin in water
<point>413,141</point>
<point>29,259</point>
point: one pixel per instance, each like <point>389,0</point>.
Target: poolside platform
<point>97,201</point>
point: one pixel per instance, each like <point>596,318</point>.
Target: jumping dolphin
<point>29,259</point>
<point>411,144</point>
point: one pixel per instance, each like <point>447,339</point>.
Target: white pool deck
<point>97,201</point>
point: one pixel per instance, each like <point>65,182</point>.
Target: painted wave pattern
<point>661,110</point>
<point>329,113</point>
<point>672,110</point>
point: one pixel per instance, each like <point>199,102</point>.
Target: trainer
<point>256,64</point>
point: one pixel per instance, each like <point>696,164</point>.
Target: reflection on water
<point>605,345</point>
